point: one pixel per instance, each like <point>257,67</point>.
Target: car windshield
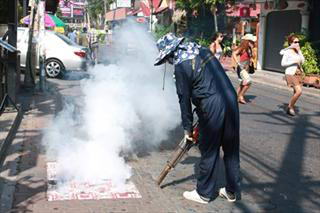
<point>65,39</point>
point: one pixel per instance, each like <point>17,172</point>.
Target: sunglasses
<point>296,42</point>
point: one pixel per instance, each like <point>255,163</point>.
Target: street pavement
<point>280,158</point>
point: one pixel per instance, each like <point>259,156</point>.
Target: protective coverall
<point>203,82</point>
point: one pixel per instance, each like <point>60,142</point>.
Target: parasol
<point>49,20</point>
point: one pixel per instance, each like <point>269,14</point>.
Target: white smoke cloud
<point>122,104</point>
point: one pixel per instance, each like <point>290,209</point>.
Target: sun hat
<point>166,45</point>
<point>249,37</point>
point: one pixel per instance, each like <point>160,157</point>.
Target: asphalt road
<point>280,157</point>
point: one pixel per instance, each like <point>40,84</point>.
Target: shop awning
<point>157,5</point>
<point>133,12</point>
<point>118,14</point>
<point>162,7</point>
<point>145,8</point>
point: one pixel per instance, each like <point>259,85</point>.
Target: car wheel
<point>54,68</point>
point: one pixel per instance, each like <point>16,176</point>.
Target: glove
<point>188,137</point>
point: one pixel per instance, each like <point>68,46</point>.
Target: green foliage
<point>203,42</point>
<point>196,4</point>
<point>227,47</point>
<point>96,7</point>
<point>311,65</point>
<point>161,30</point>
<point>101,35</point>
<point>312,62</point>
<point>188,5</point>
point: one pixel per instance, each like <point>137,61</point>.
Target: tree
<point>195,6</point>
<point>97,9</point>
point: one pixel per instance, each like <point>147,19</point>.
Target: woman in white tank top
<point>292,60</point>
<point>215,46</point>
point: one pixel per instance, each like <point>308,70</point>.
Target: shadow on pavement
<point>290,190</point>
<point>250,98</point>
<point>25,151</point>
<point>75,76</point>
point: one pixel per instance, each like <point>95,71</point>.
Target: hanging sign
<point>123,3</point>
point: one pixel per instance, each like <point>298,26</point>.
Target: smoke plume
<point>122,105</point>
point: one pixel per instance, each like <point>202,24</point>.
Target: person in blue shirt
<point>201,81</point>
<point>72,36</point>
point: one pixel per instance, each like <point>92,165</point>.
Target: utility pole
<point>105,12</point>
<point>88,21</point>
<point>151,11</point>
<point>41,36</point>
<point>214,11</point>
<point>29,79</point>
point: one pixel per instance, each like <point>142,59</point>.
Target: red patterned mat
<point>73,190</point>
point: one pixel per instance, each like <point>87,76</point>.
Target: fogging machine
<point>183,147</point>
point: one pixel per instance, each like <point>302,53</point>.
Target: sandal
<point>242,101</point>
<point>290,111</point>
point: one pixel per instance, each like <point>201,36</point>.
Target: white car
<point>62,54</point>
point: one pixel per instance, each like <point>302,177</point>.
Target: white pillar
<point>304,21</point>
<point>261,41</point>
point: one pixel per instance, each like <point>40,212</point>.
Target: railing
<point>6,60</point>
<point>5,49</point>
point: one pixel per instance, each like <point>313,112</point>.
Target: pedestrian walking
<point>83,38</point>
<point>243,57</point>
<point>93,45</point>
<point>215,46</point>
<point>72,35</point>
<point>201,81</point>
<point>292,60</point>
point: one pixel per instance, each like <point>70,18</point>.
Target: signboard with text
<point>123,3</point>
<point>73,8</point>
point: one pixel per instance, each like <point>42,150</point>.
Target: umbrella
<point>49,20</point>
<point>57,21</point>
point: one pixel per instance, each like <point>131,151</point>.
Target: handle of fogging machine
<point>183,147</point>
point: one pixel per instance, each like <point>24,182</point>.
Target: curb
<point>275,80</point>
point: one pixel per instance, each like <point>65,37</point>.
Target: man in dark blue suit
<point>202,81</point>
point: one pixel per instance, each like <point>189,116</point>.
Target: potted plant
<point>311,65</point>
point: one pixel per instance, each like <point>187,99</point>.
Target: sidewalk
<point>23,179</point>
<point>21,175</point>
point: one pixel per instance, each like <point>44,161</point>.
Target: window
<point>65,39</point>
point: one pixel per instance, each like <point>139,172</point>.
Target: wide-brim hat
<point>249,37</point>
<point>166,45</point>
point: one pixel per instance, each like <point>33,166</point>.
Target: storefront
<point>275,25</point>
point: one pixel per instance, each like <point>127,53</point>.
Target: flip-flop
<point>242,101</point>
